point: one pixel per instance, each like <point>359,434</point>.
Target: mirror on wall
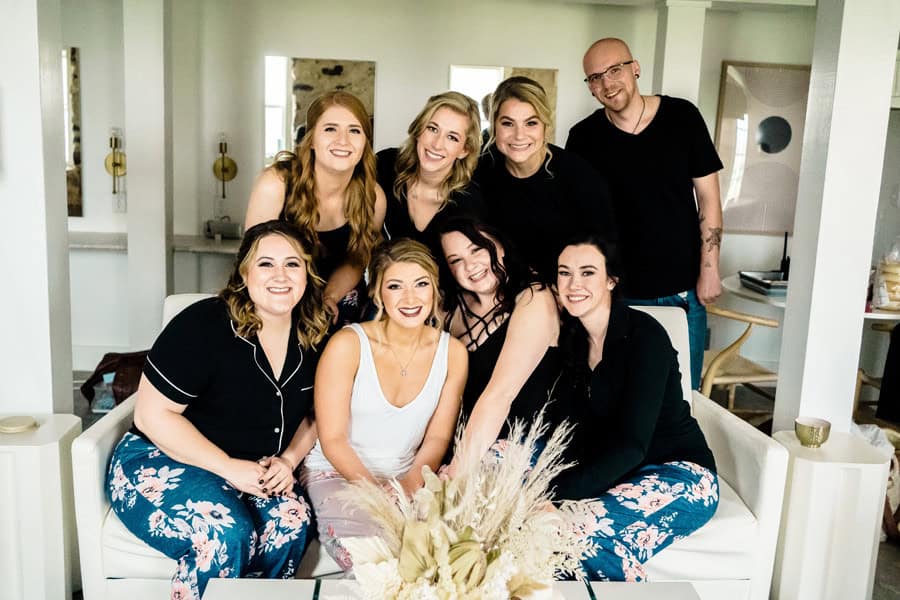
<point>479,81</point>
<point>293,83</point>
<point>71,80</point>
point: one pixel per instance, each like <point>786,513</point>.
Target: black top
<point>398,224</point>
<point>539,212</point>
<point>650,176</point>
<point>231,393</point>
<point>531,398</point>
<point>631,413</point>
<point>332,249</point>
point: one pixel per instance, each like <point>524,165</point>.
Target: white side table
<point>38,547</point>
<point>828,543</point>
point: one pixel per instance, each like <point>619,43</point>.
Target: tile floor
<point>887,572</point>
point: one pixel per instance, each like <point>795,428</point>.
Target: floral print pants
<point>636,519</point>
<point>198,519</point>
<point>334,517</point>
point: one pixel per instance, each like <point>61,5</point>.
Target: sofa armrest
<point>91,452</point>
<point>755,466</point>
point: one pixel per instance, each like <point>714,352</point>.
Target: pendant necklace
<point>641,116</point>
<point>397,358</point>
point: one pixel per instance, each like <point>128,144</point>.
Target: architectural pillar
<point>679,48</point>
<point>147,138</point>
<point>36,353</point>
<point>837,201</point>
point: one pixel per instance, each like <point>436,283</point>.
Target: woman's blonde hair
<point>310,313</point>
<point>407,164</point>
<point>403,250</point>
<point>523,89</point>
<point>301,207</point>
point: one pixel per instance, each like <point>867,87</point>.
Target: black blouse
<point>397,222</point>
<point>232,395</point>
<point>632,412</point>
<point>533,396</point>
<point>539,212</point>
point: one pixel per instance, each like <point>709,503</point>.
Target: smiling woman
<point>428,178</point>
<point>206,475</point>
<point>536,192</point>
<point>327,189</point>
<point>391,399</point>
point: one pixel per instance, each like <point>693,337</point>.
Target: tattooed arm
<point>709,284</point>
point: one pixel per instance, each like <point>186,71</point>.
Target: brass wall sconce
<point>115,161</point>
<point>224,168</point>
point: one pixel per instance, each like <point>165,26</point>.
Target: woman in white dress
<point>387,394</point>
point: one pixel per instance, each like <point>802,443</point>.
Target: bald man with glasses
<point>657,157</point>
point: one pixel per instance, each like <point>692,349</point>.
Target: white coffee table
<point>344,589</point>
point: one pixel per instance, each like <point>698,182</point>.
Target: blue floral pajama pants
<point>633,521</point>
<point>198,519</point>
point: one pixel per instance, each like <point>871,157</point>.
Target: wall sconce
<point>115,160</point>
<point>225,169</point>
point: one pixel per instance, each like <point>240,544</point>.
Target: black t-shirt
<point>650,176</point>
<point>631,413</point>
<point>225,380</point>
<point>538,213</point>
<point>398,224</point>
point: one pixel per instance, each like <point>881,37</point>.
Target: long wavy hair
<point>301,206</point>
<point>309,313</point>
<point>512,274</point>
<point>527,90</point>
<point>407,165</point>
<point>574,343</point>
<point>403,250</point>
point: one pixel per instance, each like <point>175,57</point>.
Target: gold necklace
<point>397,358</point>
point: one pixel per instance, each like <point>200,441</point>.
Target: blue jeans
<point>696,320</point>
<point>198,519</point>
<point>641,516</point>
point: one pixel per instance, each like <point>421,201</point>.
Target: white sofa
<point>730,557</point>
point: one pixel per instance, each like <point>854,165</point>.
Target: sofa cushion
<point>125,556</point>
<point>724,548</point>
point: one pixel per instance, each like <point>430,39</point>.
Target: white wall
<point>35,360</point>
<point>776,36</point>
<point>95,27</point>
<point>97,278</point>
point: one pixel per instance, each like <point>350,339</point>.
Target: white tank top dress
<point>385,437</point>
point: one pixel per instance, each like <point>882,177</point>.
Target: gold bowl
<point>811,432</point>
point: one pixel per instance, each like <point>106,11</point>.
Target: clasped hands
<point>267,477</point>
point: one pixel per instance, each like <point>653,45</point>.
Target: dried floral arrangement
<point>489,533</point>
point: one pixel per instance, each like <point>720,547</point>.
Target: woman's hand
<point>410,484</point>
<point>330,301</point>
<point>278,477</point>
<point>245,476</point>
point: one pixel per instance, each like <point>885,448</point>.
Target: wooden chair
<point>863,378</point>
<point>726,367</point>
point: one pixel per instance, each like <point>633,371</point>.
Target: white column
<point>149,180</point>
<point>837,201</point>
<point>36,353</point>
<point>679,48</point>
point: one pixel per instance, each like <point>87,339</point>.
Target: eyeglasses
<point>613,73</point>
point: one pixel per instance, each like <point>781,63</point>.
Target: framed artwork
<point>72,121</point>
<point>312,77</point>
<point>759,136</point>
